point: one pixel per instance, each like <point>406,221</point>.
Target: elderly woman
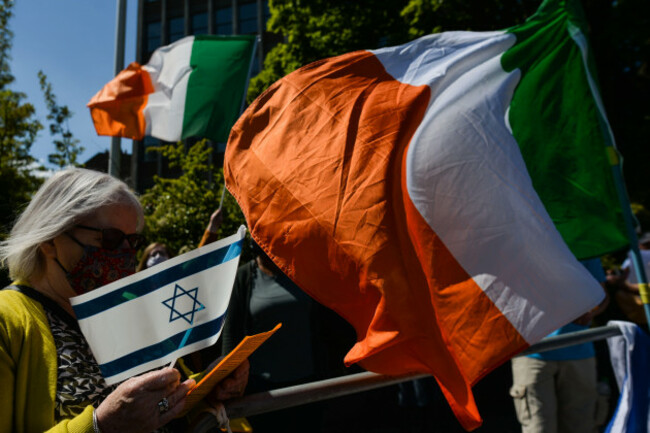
<point>79,232</point>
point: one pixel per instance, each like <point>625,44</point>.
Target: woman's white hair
<point>61,202</point>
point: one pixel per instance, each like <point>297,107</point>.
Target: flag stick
<point>628,217</point>
<point>243,102</point>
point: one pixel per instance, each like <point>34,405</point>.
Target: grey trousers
<point>554,396</point>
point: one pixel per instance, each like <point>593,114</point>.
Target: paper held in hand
<point>226,366</point>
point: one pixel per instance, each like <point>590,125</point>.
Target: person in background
<point>310,345</point>
<point>158,252</point>
<point>629,272</point>
<point>626,284</point>
<point>556,391</point>
<point>211,231</point>
<point>79,232</point>
<point>152,255</point>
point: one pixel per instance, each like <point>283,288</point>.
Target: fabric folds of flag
<point>191,88</point>
<point>157,315</point>
<point>395,187</point>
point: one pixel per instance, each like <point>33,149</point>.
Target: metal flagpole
<point>115,153</point>
<point>628,217</point>
<point>296,395</point>
<point>243,102</point>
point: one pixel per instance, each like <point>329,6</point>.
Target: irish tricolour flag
<point>191,88</point>
<point>409,189</point>
<point>162,313</point>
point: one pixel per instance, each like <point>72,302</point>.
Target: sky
<point>73,43</point>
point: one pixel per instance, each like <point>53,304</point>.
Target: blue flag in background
<point>630,356</point>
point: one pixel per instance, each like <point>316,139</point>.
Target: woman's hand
<point>133,406</point>
<point>232,386</point>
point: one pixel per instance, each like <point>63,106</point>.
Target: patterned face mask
<point>99,266</point>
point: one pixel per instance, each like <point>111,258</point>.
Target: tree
<point>423,17</point>
<point>18,129</point>
<point>67,148</point>
<point>316,29</point>
<point>178,210</point>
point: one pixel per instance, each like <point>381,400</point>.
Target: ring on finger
<point>163,405</point>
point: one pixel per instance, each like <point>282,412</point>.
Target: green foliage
<point>67,147</point>
<point>18,129</point>
<point>423,17</point>
<point>316,29</point>
<point>178,210</point>
<point>6,37</point>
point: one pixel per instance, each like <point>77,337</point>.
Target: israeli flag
<point>155,316</point>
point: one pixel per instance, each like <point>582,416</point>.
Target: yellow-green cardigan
<point>28,370</point>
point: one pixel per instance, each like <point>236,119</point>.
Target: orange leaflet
<point>226,366</point>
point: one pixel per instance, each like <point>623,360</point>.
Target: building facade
<point>161,22</point>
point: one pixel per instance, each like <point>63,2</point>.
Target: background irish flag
<point>191,88</point>
<point>409,189</point>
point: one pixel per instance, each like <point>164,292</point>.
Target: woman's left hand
<point>233,385</point>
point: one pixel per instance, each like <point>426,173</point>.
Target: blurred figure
<point>158,252</point>
<point>310,345</point>
<point>211,231</point>
<point>626,284</point>
<point>628,269</point>
<point>154,253</point>
<point>555,391</point>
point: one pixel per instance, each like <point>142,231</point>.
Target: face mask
<point>99,266</point>
<point>155,258</point>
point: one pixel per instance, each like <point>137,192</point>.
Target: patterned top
<point>79,380</point>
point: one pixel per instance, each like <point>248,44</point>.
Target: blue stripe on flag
<point>159,350</point>
<point>158,280</point>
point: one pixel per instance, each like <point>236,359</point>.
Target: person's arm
<point>10,356</point>
<point>8,383</point>
<point>82,423</point>
<point>134,405</point>
<point>210,233</point>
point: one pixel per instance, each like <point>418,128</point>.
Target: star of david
<point>183,304</point>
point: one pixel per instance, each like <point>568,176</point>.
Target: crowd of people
<point>81,231</point>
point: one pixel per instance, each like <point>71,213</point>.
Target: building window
<point>267,11</point>
<point>153,36</point>
<point>176,29</point>
<point>224,21</point>
<point>200,24</point>
<point>248,18</point>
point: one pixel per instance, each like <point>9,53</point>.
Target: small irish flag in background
<point>436,194</point>
<point>191,88</point>
<point>157,315</point>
